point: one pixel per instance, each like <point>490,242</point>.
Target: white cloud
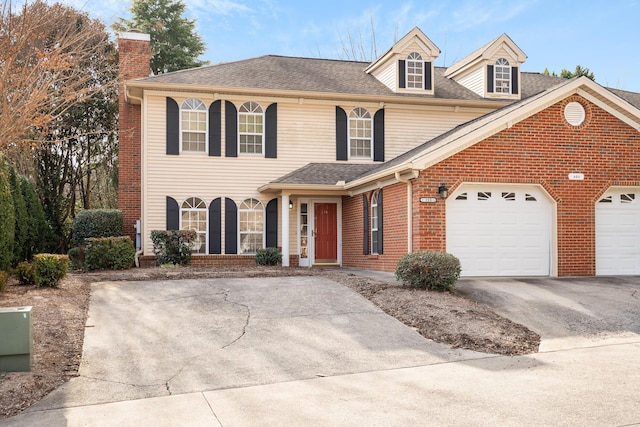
<point>476,13</point>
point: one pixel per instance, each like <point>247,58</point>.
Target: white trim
<point>131,35</point>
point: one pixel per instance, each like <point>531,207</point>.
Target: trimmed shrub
<point>268,256</point>
<point>76,258</point>
<point>429,270</point>
<point>97,223</point>
<point>49,269</point>
<point>24,274</point>
<point>3,280</point>
<point>109,253</point>
<point>173,246</point>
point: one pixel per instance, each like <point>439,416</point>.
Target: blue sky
<point>603,36</point>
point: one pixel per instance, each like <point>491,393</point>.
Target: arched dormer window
<point>193,216</point>
<point>251,128</point>
<point>360,133</point>
<point>415,71</point>
<point>193,125</point>
<point>502,76</point>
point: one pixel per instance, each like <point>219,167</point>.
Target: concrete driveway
<point>308,351</point>
<point>566,312</point>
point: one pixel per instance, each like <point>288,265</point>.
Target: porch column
<point>285,230</point>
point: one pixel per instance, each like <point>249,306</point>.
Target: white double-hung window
<point>360,134</point>
<point>251,128</point>
<point>193,125</point>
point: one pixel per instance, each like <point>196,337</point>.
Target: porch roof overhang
<point>335,179</point>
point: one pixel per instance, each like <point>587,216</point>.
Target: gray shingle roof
<point>325,173</point>
<point>303,74</point>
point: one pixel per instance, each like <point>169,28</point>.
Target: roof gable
<point>485,53</point>
<point>415,36</point>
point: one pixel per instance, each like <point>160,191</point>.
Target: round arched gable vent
<point>574,113</point>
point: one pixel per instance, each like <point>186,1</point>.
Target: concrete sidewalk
<point>308,351</point>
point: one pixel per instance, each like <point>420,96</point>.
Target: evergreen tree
<point>566,74</point>
<point>21,217</point>
<point>174,40</point>
<point>7,217</point>
<point>38,237</point>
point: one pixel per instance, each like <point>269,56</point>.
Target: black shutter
<point>272,223</point>
<point>215,128</point>
<point>230,129</point>
<point>380,250</point>
<point>490,78</point>
<point>173,214</point>
<point>378,136</point>
<point>514,80</point>
<point>401,74</point>
<point>215,226</point>
<point>271,132</point>
<point>341,134</point>
<point>428,78</point>
<point>173,127</point>
<point>365,225</point>
<point>230,226</point>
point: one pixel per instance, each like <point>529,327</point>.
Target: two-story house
<point>356,164</point>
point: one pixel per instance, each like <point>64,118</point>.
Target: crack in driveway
<point>246,323</point>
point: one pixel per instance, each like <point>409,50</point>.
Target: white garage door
<point>500,230</point>
<point>618,232</point>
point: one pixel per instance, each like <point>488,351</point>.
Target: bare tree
<point>41,47</point>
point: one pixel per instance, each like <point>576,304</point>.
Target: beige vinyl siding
<point>474,79</point>
<point>306,133</point>
<point>408,128</point>
<point>387,74</point>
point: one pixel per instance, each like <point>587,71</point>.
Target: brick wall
<point>394,204</point>
<point>542,149</point>
<point>134,63</point>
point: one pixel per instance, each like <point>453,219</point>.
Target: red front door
<point>326,232</point>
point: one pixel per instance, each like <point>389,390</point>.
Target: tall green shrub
<point>39,237</point>
<point>97,223</point>
<point>21,218</point>
<point>7,217</point>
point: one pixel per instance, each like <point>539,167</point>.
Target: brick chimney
<point>134,57</point>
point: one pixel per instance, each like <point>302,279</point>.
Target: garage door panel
<point>618,232</point>
<point>505,234</point>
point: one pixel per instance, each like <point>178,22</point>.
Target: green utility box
<point>16,343</point>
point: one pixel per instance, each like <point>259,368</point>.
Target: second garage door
<point>618,232</point>
<point>500,230</point>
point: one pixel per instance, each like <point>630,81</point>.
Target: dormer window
<point>502,76</point>
<point>415,71</point>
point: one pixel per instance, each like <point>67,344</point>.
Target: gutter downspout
<point>409,211</point>
<point>128,96</point>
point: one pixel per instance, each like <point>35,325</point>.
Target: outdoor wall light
<point>290,204</point>
<point>443,191</point>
